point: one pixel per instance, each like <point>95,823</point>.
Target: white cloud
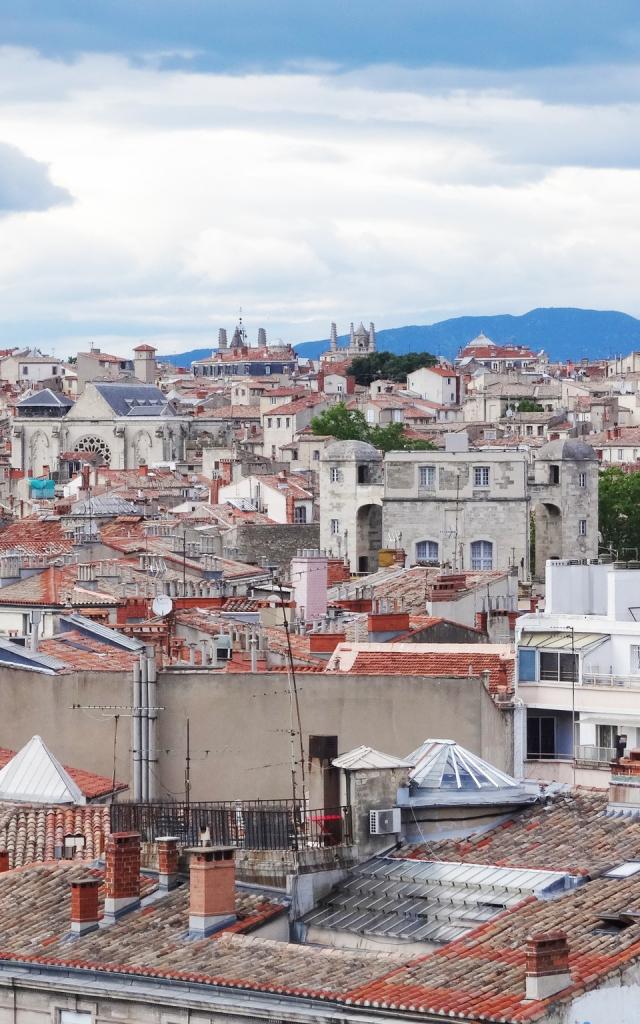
<point>306,197</point>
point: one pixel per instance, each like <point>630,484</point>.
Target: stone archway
<point>368,537</point>
<point>548,540</point>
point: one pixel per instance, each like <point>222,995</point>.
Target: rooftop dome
<point>444,773</point>
<point>351,451</point>
<point>571,448</point>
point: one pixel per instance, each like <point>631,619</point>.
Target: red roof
<point>145,348</point>
<point>35,536</point>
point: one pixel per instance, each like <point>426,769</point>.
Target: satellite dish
<point>162,605</point>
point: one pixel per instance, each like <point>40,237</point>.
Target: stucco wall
<point>239,722</point>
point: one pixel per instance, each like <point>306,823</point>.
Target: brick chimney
<point>4,861</point>
<point>547,959</point>
<point>212,889</point>
<point>84,905</point>
<point>122,875</point>
<point>167,861</point>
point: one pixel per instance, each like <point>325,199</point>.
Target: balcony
<point>587,754</point>
<point>610,679</point>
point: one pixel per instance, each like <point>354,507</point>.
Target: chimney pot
<point>212,889</point>
<point>167,861</point>
<point>122,875</point>
<point>547,964</point>
<point>84,905</point>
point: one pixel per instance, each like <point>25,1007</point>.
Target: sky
<point>166,163</point>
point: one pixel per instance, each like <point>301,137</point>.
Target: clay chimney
<point>212,889</point>
<point>4,861</point>
<point>167,861</point>
<point>122,877</point>
<point>84,905</point>
<point>547,959</point>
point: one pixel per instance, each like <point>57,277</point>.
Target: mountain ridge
<point>564,332</point>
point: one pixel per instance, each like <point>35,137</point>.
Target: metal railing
<point>610,679</point>
<point>248,825</point>
<point>590,754</point>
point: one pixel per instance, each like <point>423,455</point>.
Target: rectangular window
<point>370,416</point>
<point>526,665</point>
<point>480,476</point>
<point>635,658</point>
<point>269,422</point>
<point>541,736</point>
<point>335,526</point>
<point>267,370</point>
<point>582,527</point>
<point>278,422</point>
<point>427,476</point>
<point>334,475</point>
<point>556,667</point>
<point>620,455</point>
<point>54,370</point>
<point>316,455</point>
<point>606,735</point>
<point>299,514</point>
<point>554,474</point>
<point>287,422</point>
<point>73,1017</point>
<point>582,479</point>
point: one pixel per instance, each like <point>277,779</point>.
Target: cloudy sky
<point>165,162</point>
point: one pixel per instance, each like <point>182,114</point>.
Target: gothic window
<point>91,443</point>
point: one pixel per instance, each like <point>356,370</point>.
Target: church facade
<point>123,425</point>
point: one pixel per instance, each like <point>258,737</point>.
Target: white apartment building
<point>578,670</point>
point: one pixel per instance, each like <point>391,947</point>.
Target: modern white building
<point>579,670</point>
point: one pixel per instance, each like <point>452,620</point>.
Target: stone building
<point>124,424</point>
<point>463,509</point>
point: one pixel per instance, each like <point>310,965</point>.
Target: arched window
<point>427,551</point>
<point>482,554</point>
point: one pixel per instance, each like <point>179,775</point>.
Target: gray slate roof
<point>45,399</point>
<point>135,399</point>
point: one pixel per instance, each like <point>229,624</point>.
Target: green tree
<point>387,366</point>
<point>350,425</point>
<point>619,511</point>
<point>342,423</point>
<point>526,405</point>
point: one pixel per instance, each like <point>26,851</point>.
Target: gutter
<point>236,1002</point>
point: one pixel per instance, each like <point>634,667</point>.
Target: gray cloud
<point>25,184</point>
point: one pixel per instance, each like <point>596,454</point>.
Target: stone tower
<point>564,502</point>
<point>144,362</point>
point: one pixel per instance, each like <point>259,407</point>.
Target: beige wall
<point>239,722</point>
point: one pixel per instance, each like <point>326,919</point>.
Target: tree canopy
<point>619,520</point>
<point>387,366</point>
<point>351,425</point>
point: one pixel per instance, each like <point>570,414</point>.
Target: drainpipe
<point>144,692</point>
<point>137,734</point>
<point>152,703</point>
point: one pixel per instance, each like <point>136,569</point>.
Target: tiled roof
<point>31,833</point>
<point>573,835</point>
<point>91,785</point>
<point>480,976</point>
<point>80,652</point>
<point>54,586</point>
<point>447,661</point>
<point>309,401</point>
<point>412,587</point>
<point>35,536</point>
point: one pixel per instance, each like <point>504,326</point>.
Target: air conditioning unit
<point>385,822</point>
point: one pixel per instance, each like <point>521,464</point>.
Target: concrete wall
<point>239,722</point>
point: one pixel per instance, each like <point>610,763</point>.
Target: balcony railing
<point>586,753</point>
<point>249,825</point>
<point>608,679</point>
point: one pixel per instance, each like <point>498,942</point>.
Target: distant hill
<point>564,333</point>
<point>186,358</point>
